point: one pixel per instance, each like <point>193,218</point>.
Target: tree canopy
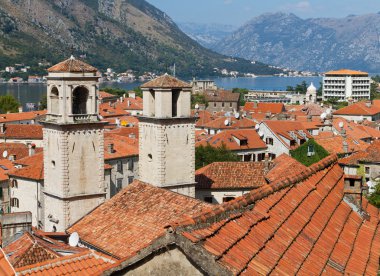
<point>208,154</point>
<point>301,153</point>
<point>8,104</point>
<point>374,198</point>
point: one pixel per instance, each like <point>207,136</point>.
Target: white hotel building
<point>346,84</point>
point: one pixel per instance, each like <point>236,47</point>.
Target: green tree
<point>301,153</point>
<point>242,92</point>
<point>43,103</point>
<point>120,92</point>
<point>374,87</point>
<point>320,89</point>
<point>205,155</point>
<point>198,99</point>
<point>374,198</point>
<point>8,104</point>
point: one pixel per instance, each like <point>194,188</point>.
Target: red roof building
<point>363,110</point>
<point>272,108</point>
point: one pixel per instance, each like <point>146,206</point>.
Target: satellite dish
<point>261,134</point>
<point>323,116</point>
<point>237,115</point>
<point>74,239</point>
<point>341,124</point>
<point>226,122</point>
<point>257,126</point>
<point>5,154</point>
<point>197,106</point>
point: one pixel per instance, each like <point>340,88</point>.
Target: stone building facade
<point>73,145</point>
<point>165,129</point>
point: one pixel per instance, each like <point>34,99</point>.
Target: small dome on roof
<point>311,88</point>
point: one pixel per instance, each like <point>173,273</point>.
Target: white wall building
<point>344,85</point>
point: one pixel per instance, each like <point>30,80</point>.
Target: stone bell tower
<point>167,137</point>
<point>73,145</point>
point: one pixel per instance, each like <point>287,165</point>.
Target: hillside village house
<point>222,100</point>
<point>221,182</point>
<point>360,111</point>
<point>282,136</point>
<point>216,125</point>
<point>200,86</point>
<point>246,143</point>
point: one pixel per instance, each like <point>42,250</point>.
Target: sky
<point>237,12</point>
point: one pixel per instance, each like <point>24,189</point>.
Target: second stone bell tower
<point>167,136</point>
<point>73,145</point>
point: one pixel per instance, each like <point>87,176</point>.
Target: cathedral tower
<point>166,136</point>
<point>73,145</point>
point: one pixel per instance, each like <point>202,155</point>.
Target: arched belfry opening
<point>54,100</point>
<point>80,97</point>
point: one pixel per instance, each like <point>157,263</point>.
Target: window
<point>208,199</point>
<point>247,158</point>
<point>222,104</point>
<point>150,157</point>
<point>214,104</point>
<point>119,184</point>
<point>14,202</point>
<point>130,179</point>
<point>130,165</point>
<point>175,98</point>
<point>230,104</point>
<point>80,96</point>
<point>54,100</point>
<point>14,183</point>
<point>269,141</point>
<point>228,198</point>
<point>352,182</point>
<point>367,170</point>
<point>119,166</point>
<point>53,164</point>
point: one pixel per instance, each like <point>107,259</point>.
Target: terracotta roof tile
<point>133,218</point>
<point>284,165</point>
<point>14,131</point>
<point>105,95</point>
<point>79,264</point>
<point>297,225</point>
<point>166,81</point>
<point>237,139</point>
<point>72,65</point>
<point>273,108</point>
<point>370,154</point>
<point>334,143</point>
<point>360,108</point>
<point>23,116</point>
<point>221,96</point>
<point>18,149</point>
<point>346,72</point>
<point>219,123</point>
<point>231,175</point>
<point>122,146</point>
<point>6,268</point>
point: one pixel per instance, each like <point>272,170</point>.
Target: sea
<point>30,94</point>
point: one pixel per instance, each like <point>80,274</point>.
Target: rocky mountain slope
<point>206,34</point>
<point>312,44</point>
<point>122,34</point>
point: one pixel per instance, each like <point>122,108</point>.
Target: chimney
<point>343,133</point>
<point>32,149</point>
<point>110,148</point>
<point>368,103</point>
<point>345,147</point>
<point>109,103</point>
<point>309,118</point>
<point>353,191</point>
<point>266,163</point>
<point>255,104</point>
<point>121,99</point>
<point>132,94</point>
<point>128,103</point>
<point>20,109</point>
<point>2,127</point>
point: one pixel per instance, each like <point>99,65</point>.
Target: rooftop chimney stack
<point>32,149</point>
<point>2,127</point>
<point>110,148</point>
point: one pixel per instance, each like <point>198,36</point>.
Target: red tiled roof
<point>231,175</point>
<point>219,123</point>
<point>346,72</point>
<point>34,172</point>
<point>226,137</point>
<point>274,108</point>
<point>370,154</point>
<point>79,264</point>
<point>122,147</point>
<point>6,268</point>
<point>298,225</point>
<point>166,81</point>
<point>131,104</point>
<point>221,96</point>
<point>133,218</point>
<point>104,95</point>
<point>111,110</point>
<point>23,116</point>
<point>284,165</point>
<point>18,149</point>
<point>5,166</point>
<point>360,108</point>
<point>72,65</point>
<point>352,129</point>
<point>334,143</point>
<point>35,159</point>
<point>15,131</point>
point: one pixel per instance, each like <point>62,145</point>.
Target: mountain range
<point>318,44</point>
<point>122,34</point>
